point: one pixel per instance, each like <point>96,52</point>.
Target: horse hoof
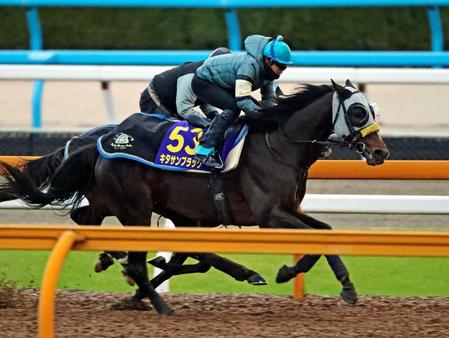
<point>128,279</point>
<point>162,308</point>
<point>257,279</point>
<point>285,273</point>
<point>158,262</point>
<point>349,295</point>
<point>167,312</point>
<point>103,262</point>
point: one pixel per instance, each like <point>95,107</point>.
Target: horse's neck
<point>291,145</point>
<point>311,123</point>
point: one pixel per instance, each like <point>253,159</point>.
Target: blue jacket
<point>225,70</point>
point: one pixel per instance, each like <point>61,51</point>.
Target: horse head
<point>353,122</point>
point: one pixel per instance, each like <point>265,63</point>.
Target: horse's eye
<point>358,115</point>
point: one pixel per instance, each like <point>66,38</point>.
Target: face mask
<point>269,74</point>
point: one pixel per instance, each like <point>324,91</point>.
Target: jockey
<point>170,93</point>
<point>227,82</point>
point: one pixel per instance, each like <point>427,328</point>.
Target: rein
<point>352,141</point>
<point>275,155</point>
<point>315,141</point>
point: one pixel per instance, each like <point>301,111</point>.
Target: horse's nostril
<point>381,153</point>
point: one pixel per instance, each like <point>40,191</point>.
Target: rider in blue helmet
<point>227,81</point>
<point>170,93</point>
<point>278,51</point>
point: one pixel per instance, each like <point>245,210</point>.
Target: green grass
<point>372,275</point>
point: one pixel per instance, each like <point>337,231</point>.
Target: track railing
<point>63,239</point>
<point>340,203</point>
<point>349,169</point>
<point>37,55</point>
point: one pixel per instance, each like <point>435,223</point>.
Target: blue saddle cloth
<point>162,142</point>
<point>89,137</point>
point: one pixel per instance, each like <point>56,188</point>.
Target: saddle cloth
<point>89,137</point>
<point>166,143</point>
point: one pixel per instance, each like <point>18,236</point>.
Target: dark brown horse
<point>42,169</point>
<point>265,190</point>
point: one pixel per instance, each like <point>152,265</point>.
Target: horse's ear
<point>349,84</point>
<point>339,89</point>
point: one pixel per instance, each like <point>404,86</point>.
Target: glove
<point>269,103</point>
<point>212,114</point>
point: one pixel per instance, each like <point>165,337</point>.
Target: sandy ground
<point>416,109</point>
<point>83,314</point>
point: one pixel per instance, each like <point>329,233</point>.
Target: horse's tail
<point>42,169</point>
<point>66,186</point>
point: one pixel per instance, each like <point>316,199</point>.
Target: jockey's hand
<point>164,111</point>
<point>279,92</point>
<point>269,103</point>
<point>212,114</point>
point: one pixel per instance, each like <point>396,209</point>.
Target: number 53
<point>176,136</point>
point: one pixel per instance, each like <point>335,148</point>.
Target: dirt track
<point>82,314</point>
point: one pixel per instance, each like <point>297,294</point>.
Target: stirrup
<point>213,160</point>
<point>204,151</point>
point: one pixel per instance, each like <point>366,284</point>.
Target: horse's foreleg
<point>280,218</point>
<point>348,293</point>
<point>285,219</point>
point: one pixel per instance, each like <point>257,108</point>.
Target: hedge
<point>305,29</point>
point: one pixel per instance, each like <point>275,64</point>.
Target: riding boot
<point>213,136</point>
<point>217,128</point>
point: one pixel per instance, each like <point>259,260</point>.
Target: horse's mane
<point>287,104</point>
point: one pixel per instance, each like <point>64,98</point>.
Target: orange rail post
<point>50,282</point>
<point>349,169</point>
<point>16,160</point>
<point>390,170</point>
<point>298,283</point>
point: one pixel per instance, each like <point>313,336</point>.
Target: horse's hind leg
<point>233,269</point>
<point>129,198</point>
<point>206,261</point>
<point>94,214</point>
<point>177,260</point>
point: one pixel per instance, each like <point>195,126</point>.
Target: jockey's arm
<point>209,110</point>
<point>185,102</point>
<point>268,93</point>
<point>243,88</point>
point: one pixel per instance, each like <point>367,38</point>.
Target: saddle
<point>167,143</point>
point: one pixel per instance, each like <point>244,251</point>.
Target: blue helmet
<point>278,50</point>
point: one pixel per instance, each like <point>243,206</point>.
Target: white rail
<point>341,203</point>
<point>292,74</point>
